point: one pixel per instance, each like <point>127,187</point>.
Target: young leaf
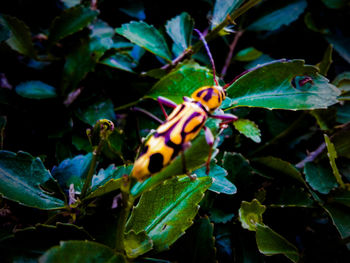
<point>270,243</point>
<point>326,62</point>
<point>320,177</point>
<point>70,21</point>
<point>94,112</point>
<point>36,89</point>
<point>247,54</point>
<point>283,85</point>
<point>73,171</point>
<point>146,36</point>
<point>21,38</point>
<point>89,252</point>
<point>167,211</point>
<point>250,214</point>
<point>180,30</point>
<point>181,82</point>
<point>332,155</point>
<point>23,178</point>
<point>222,9</point>
<point>137,244</point>
<point>248,128</point>
<point>279,17</point>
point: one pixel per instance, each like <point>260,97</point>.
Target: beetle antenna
<point>209,54</point>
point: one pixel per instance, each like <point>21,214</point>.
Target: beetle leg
<point>164,101</point>
<point>226,118</point>
<point>210,141</point>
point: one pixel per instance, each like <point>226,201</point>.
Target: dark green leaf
<point>97,111</point>
<point>247,54</point>
<point>146,36</point>
<point>280,166</point>
<point>320,177</point>
<point>250,214</point>
<point>283,85</point>
<point>4,30</point>
<point>70,21</point>
<point>335,4</point>
<point>279,17</point>
<point>218,216</point>
<point>270,243</point>
<point>22,180</point>
<point>311,24</point>
<point>73,171</point>
<point>108,180</point>
<point>120,61</point>
<point>342,81</point>
<point>70,3</point>
<point>222,9</point>
<point>292,196</point>
<point>21,38</point>
<point>180,30</point>
<point>137,244</point>
<point>341,196</point>
<point>341,45</point>
<point>36,89</point>
<point>248,128</point>
<point>182,82</point>
<point>341,218</point>
<point>263,59</point>
<point>88,252</point>
<point>342,143</point>
<point>325,118</point>
<point>220,183</point>
<point>343,113</point>
<point>167,211</point>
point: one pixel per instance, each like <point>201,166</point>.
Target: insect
<point>184,123</point>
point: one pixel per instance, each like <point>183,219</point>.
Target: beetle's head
<point>210,97</point>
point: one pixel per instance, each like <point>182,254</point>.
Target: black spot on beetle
<point>155,162</point>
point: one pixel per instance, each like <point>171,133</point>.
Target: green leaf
<point>4,30</point>
<point>119,61</point>
<point>325,118</point>
<point>311,24</point>
<point>23,179</point>
<point>88,252</point>
<point>341,45</point>
<point>108,180</point>
<point>250,214</point>
<point>335,4</point>
<point>247,54</point>
<point>181,82</point>
<point>341,196</point>
<point>21,38</point>
<point>222,9</point>
<point>36,89</point>
<point>271,243</point>
<point>326,62</point>
<point>70,21</point>
<point>280,166</point>
<point>146,36</point>
<point>180,30</point>
<point>340,216</point>
<point>320,177</point>
<point>248,128</point>
<point>291,196</point>
<point>73,171</point>
<point>342,143</point>
<point>283,16</point>
<point>220,183</point>
<point>283,85</point>
<point>342,81</point>
<point>134,9</point>
<point>167,211</point>
<point>137,244</point>
<point>97,111</point>
<point>332,155</point>
<point>70,3</point>
<point>195,156</point>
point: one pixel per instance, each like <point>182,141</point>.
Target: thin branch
<point>312,156</point>
<point>230,53</point>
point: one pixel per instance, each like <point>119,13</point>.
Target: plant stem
<point>127,203</point>
<point>312,156</point>
<point>95,154</point>
<point>230,53</point>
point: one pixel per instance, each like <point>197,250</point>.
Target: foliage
<point>75,77</point>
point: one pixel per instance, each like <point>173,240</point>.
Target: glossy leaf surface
<point>36,90</point>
